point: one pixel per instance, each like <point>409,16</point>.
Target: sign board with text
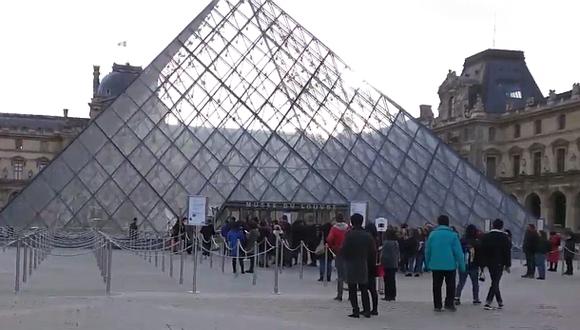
<point>381,224</point>
<point>197,210</point>
<point>540,224</point>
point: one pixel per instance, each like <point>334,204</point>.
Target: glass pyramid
<point>246,105</point>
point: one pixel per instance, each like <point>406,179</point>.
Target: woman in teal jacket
<point>443,256</point>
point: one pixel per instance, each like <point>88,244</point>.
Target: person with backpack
<point>471,249</point>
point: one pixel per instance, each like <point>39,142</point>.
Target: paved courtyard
<point>68,293</point>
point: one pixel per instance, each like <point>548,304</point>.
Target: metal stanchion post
<point>171,259</point>
<point>24,261</point>
<point>238,256</point>
<point>17,283</point>
<point>325,279</point>
<point>281,265</point>
<point>150,248</point>
<point>31,251</point>
<point>109,264</point>
<point>194,280</point>
<point>300,263</point>
<point>156,252</point>
<point>106,262</point>
<point>255,264</point>
<point>210,253</point>
<point>276,266</point>
<point>181,250</point>
<point>35,254</point>
<point>196,246</point>
<point>265,256</point>
<point>163,255</point>
<point>224,258</point>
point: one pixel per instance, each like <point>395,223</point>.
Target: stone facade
<point>28,143</point>
<point>503,125</point>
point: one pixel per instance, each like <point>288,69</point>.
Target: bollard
<point>182,249</point>
<point>163,256</point>
<point>325,279</point>
<point>109,264</point>
<point>24,262</point>
<point>276,266</point>
<point>255,264</point>
<point>194,280</point>
<point>300,263</point>
<point>17,284</point>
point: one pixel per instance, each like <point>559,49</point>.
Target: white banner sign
<point>288,216</point>
<point>381,224</point>
<point>360,208</point>
<point>196,213</point>
<point>540,224</point>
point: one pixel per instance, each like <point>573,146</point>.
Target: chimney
<point>65,113</point>
<point>96,79</point>
<point>425,112</point>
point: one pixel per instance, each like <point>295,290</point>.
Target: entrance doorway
<point>558,209</point>
<point>534,204</point>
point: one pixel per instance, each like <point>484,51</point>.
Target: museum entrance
<point>311,213</point>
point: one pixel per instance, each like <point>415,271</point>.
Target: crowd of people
<point>361,254</point>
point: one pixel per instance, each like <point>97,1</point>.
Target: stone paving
<point>68,293</point>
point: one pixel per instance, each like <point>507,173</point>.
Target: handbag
<point>320,249</point>
<point>482,276</point>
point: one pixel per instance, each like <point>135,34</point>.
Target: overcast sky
<point>404,48</point>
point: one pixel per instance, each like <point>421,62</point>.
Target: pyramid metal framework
<point>247,105</point>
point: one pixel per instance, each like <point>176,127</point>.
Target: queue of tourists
<point>361,255</point>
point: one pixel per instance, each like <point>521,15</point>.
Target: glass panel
<point>93,176</point>
<point>126,140</point>
<point>109,157</point>
<point>93,138</point>
<point>174,161</point>
<point>144,197</point>
<point>142,159</point>
<point>110,196</point>
<point>159,178</point>
<point>76,156</point>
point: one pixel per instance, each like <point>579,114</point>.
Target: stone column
<point>546,207</point>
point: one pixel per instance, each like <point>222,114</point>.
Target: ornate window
<point>41,163</point>
<point>537,162</point>
<point>516,160</point>
<point>560,160</point>
<point>17,168</point>
<point>491,166</point>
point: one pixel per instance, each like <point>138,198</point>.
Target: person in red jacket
<point>554,254</point>
<point>334,240</point>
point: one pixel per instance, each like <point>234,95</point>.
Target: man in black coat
<point>358,248</point>
<point>530,247</point>
<point>496,256</point>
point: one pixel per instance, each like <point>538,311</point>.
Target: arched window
<point>450,108</point>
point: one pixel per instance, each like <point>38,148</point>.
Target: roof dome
<point>118,80</point>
